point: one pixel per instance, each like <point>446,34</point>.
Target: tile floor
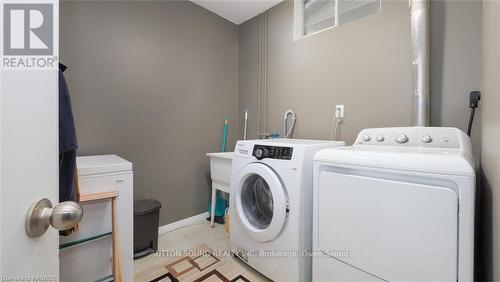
<point>187,238</point>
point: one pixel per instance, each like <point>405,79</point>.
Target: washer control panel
<point>272,152</point>
<point>431,137</point>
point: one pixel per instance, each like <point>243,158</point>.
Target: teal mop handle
<point>223,145</point>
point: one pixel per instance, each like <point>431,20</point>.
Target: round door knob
<point>426,139</point>
<point>401,138</point>
<point>367,138</point>
<point>380,138</point>
<point>64,216</point>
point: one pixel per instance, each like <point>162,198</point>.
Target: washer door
<point>261,202</point>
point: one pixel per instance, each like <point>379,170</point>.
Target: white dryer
<point>398,205</point>
<point>271,205</point>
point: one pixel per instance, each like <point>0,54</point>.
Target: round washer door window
<point>257,201</point>
<point>261,202</point>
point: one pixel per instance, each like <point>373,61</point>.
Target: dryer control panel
<point>427,137</point>
<point>272,152</point>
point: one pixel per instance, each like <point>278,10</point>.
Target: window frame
<point>299,19</point>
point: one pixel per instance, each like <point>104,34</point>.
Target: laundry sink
<point>220,170</point>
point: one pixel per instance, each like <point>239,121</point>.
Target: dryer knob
<point>380,138</point>
<point>367,138</point>
<point>426,139</point>
<point>402,138</point>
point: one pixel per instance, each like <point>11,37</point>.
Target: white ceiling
<point>237,11</point>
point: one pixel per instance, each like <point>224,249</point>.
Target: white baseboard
<point>202,217</point>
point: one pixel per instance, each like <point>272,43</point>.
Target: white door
<point>28,136</point>
<point>261,202</point>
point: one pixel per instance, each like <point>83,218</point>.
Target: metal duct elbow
<point>420,60</point>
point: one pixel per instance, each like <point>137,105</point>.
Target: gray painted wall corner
<point>152,82</point>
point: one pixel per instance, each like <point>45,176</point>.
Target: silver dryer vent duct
<point>420,60</point>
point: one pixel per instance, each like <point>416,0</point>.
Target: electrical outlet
<point>339,111</point>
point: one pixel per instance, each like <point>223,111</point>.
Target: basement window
<point>312,16</point>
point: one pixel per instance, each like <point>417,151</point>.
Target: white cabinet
<point>86,254</point>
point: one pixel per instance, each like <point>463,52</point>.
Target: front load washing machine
<point>398,205</point>
<point>271,205</point>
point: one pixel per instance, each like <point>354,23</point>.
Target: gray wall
<point>364,65</point>
<point>455,64</point>
<point>152,82</point>
<point>490,154</point>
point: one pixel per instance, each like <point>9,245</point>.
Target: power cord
<point>474,98</point>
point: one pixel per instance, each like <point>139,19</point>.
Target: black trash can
<point>146,217</point>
